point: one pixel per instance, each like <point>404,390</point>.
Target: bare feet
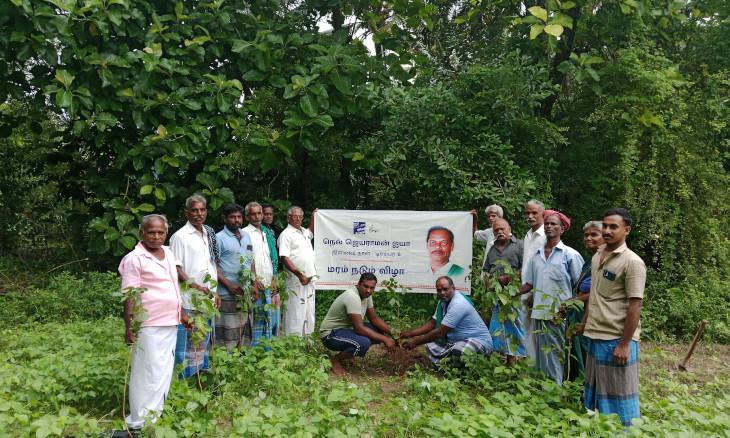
<point>337,368</point>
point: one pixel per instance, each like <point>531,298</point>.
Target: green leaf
<point>536,30</point>
<point>160,194</point>
<point>240,45</point>
<point>563,20</point>
<point>146,207</point>
<point>342,83</point>
<point>65,78</point>
<point>128,241</point>
<point>567,5</point>
<point>146,189</point>
<point>554,29</point>
<point>64,98</point>
<point>539,12</point>
<point>308,106</point>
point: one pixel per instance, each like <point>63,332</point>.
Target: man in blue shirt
<point>232,327</point>
<point>551,274</point>
<point>455,320</point>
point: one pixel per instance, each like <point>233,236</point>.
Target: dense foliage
<point>112,109</point>
<point>68,379</point>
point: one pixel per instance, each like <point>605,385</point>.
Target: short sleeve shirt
<point>464,321</point>
<point>552,279</point>
<point>620,277</point>
<point>235,255</point>
<point>192,252</point>
<point>161,299</point>
<point>511,254</point>
<point>261,254</point>
<point>349,302</point>
<point>296,244</point>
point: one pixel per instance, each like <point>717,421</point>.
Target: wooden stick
<point>700,331</point>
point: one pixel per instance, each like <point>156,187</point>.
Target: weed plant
<point>68,379</point>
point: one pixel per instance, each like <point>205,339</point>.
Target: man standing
<point>460,325</point>
<point>508,334</point>
<point>611,322</point>
<point>297,256</point>
<point>534,239</point>
<point>551,272</point>
<point>486,236</point>
<point>268,220</point>
<point>232,328</point>
<point>265,320</point>
<point>440,242</point>
<point>195,248</point>
<point>343,328</point>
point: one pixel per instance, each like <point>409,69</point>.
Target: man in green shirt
<point>343,328</point>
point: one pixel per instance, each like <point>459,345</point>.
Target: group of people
<point>240,262</point>
<point>225,268</point>
<point>602,340</point>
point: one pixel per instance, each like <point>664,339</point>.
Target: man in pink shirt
<point>151,266</point>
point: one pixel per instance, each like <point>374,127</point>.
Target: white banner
<point>412,247</point>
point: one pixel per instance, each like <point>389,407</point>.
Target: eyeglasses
<point>296,216</point>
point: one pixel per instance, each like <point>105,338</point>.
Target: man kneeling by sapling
<point>455,320</point>
<point>343,328</point>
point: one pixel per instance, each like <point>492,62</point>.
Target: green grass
<point>68,379</point>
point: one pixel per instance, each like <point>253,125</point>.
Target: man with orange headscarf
<point>551,274</point>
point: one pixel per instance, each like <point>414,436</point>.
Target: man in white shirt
<point>297,256</point>
<point>265,324</point>
<point>534,240</point>
<point>486,236</point>
<point>194,248</point>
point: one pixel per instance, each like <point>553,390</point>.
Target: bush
<point>673,310</point>
<point>66,298</point>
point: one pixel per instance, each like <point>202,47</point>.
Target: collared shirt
<point>191,250</point>
<point>620,277</point>
<point>296,245</point>
<point>261,254</point>
<point>235,255</point>
<point>512,254</point>
<point>486,237</point>
<point>463,320</point>
<point>451,269</point>
<point>161,300</point>
<point>533,240</point>
<point>552,279</point>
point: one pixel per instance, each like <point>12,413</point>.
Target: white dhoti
<point>529,329</point>
<point>153,361</point>
<point>299,315</point>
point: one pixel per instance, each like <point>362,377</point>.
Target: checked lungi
<point>232,326</point>
<point>439,351</point>
<point>263,318</point>
<point>549,346</point>
<point>612,388</point>
<point>194,357</point>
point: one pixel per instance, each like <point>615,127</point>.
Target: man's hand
<point>530,301</point>
<point>303,279</point>
<point>130,337</point>
<point>505,279</point>
<point>406,335</point>
<point>235,289</point>
<point>579,328</point>
<point>217,301</point>
<point>256,291</point>
<point>186,321</point>
<point>408,344</point>
<point>389,343</point>
<point>621,354</point>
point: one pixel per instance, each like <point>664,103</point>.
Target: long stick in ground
<point>698,334</point>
